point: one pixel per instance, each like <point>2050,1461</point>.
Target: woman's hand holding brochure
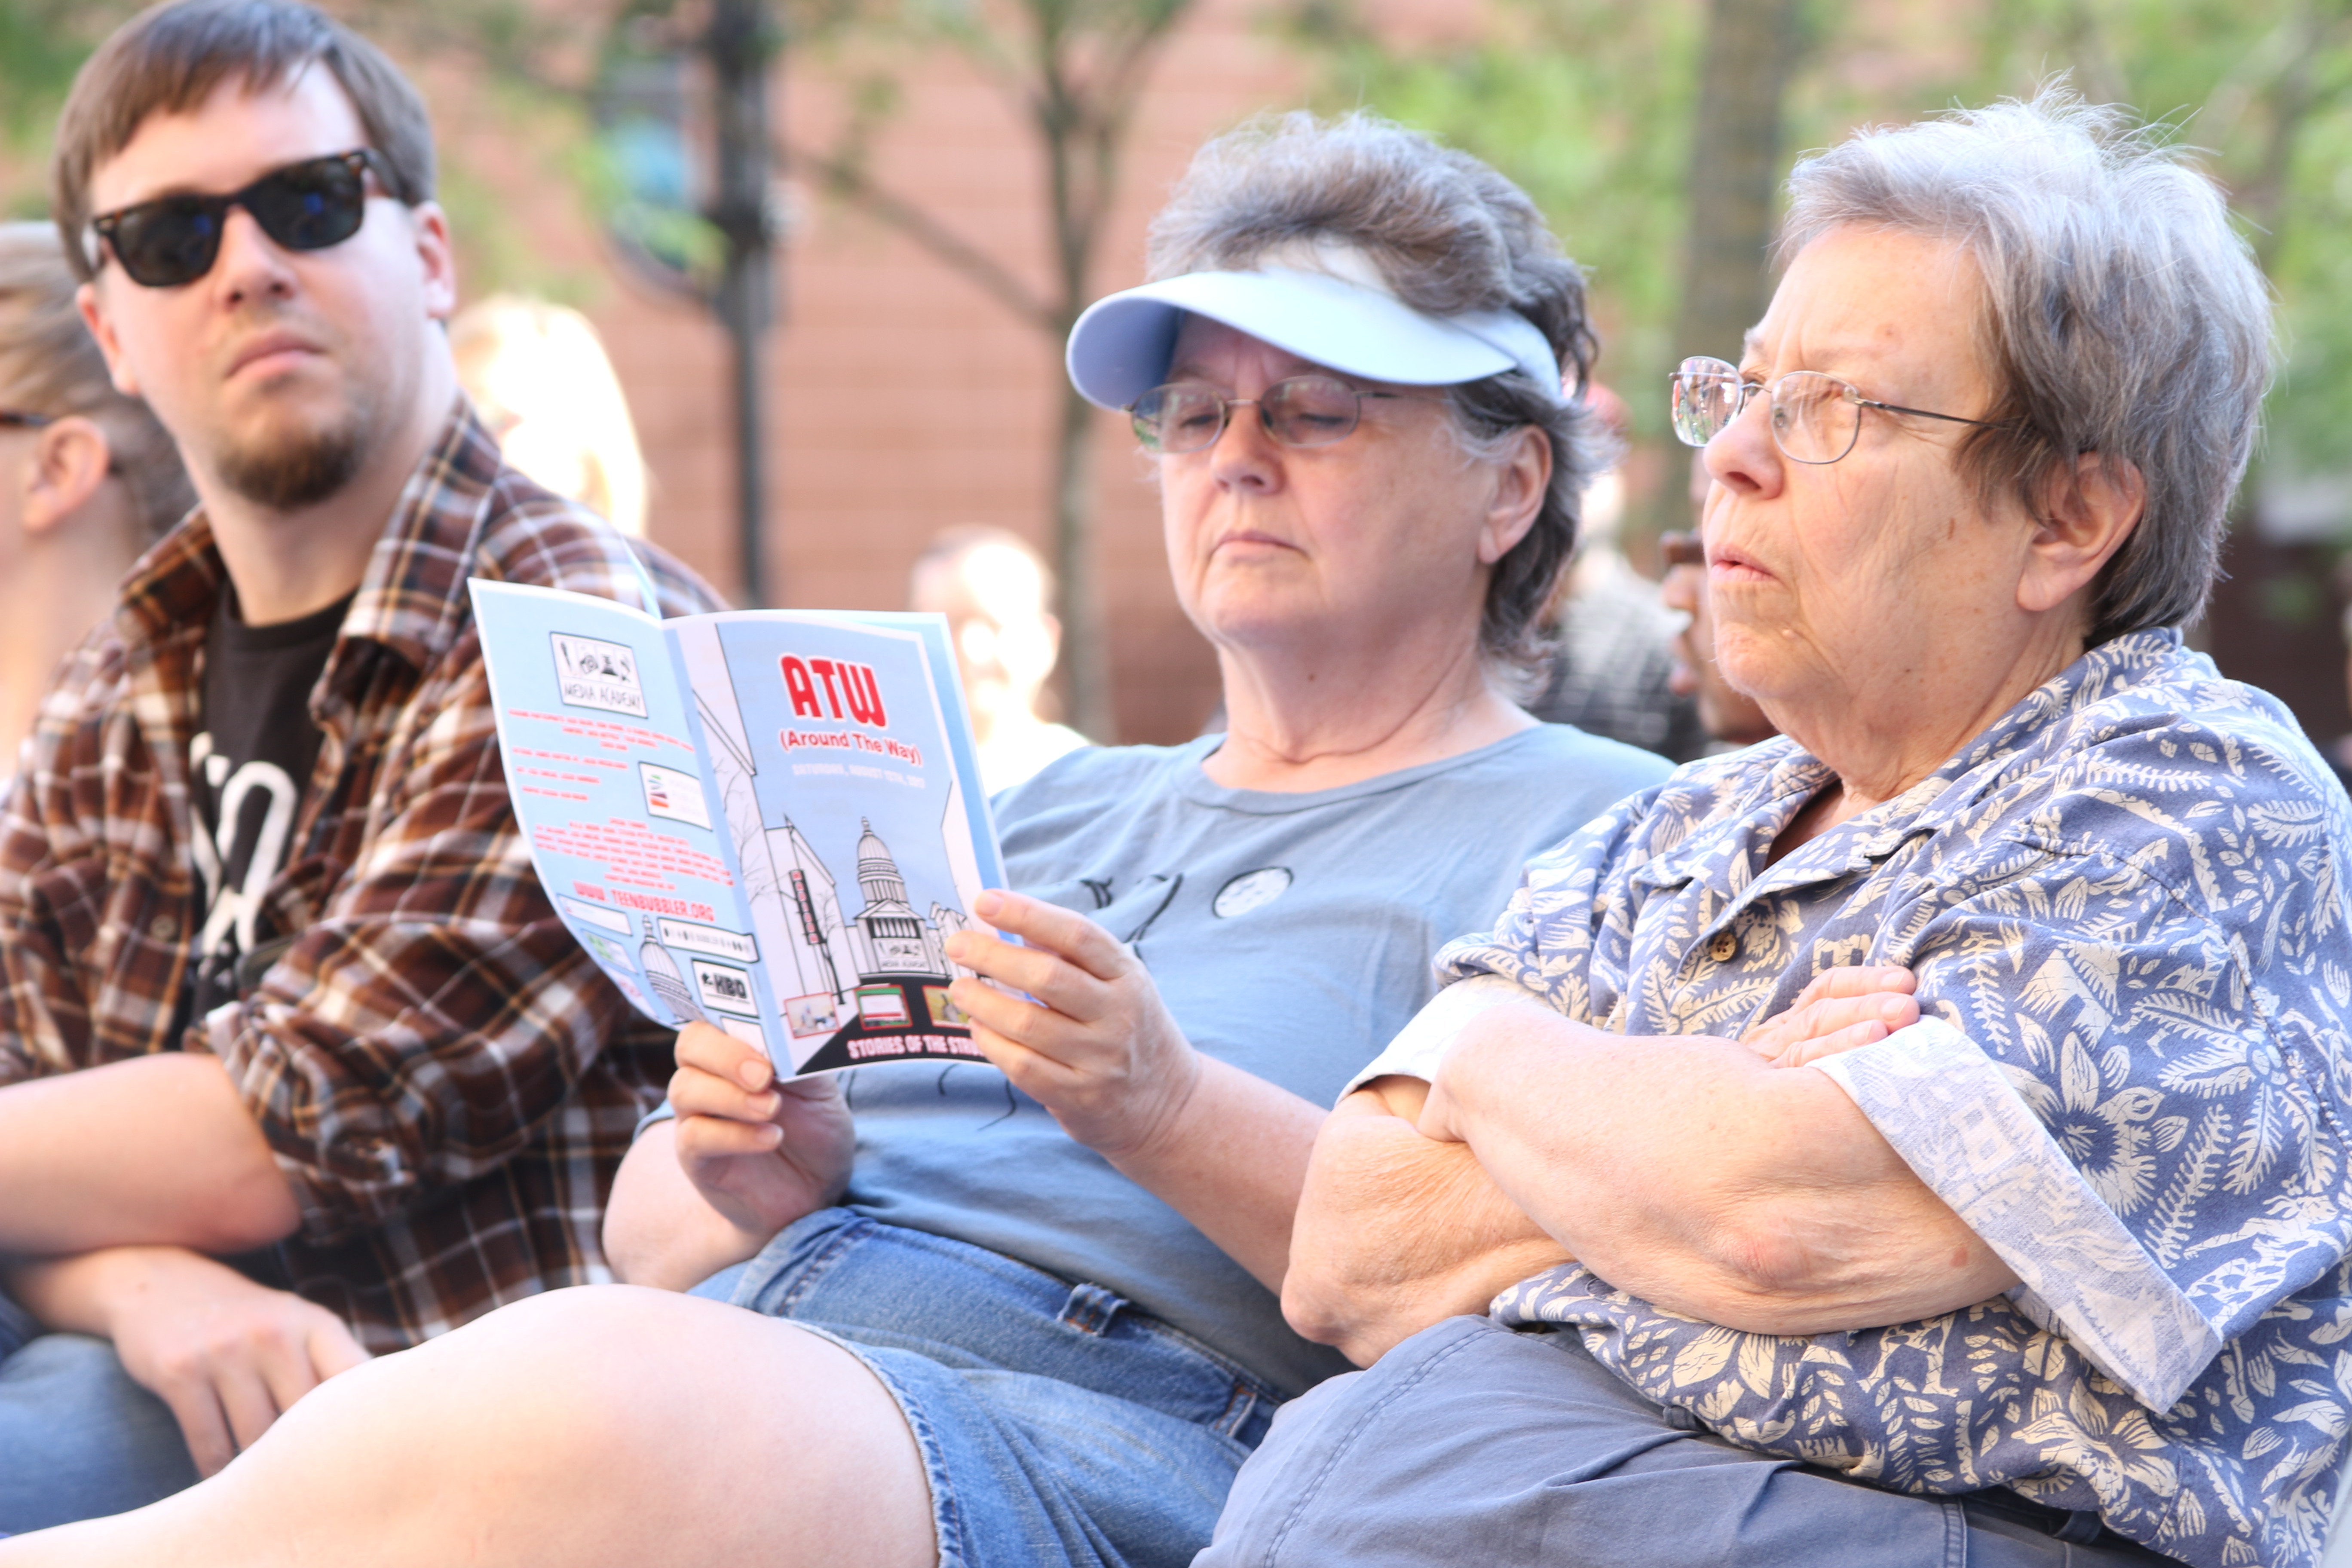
<point>761,1151</point>
<point>1091,1040</point>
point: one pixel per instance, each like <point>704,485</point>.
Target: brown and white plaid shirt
<point>447,1081</point>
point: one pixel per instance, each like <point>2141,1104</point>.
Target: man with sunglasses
<point>296,1064</point>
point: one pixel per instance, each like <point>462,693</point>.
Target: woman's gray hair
<point>50,365</point>
<point>1449,235</point>
<point>2122,315</point>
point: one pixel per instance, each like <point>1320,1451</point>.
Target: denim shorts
<point>1056,1423</point>
<point>78,1437</point>
<point>1472,1442</point>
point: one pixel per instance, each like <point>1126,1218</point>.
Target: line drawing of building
<point>812,914</point>
<point>826,970</point>
<point>662,974</point>
<point>888,937</point>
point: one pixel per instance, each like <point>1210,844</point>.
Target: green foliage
<point>2265,87</point>
<point>42,44</point>
<point>2314,276</point>
<point>1587,104</point>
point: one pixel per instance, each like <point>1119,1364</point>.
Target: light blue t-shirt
<point>1291,935</point>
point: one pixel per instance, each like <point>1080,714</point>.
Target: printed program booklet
<point>770,820</point>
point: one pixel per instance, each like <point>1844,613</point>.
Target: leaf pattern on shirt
<point>2128,895</point>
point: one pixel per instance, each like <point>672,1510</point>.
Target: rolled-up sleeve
<point>64,832</point>
<point>436,1013</point>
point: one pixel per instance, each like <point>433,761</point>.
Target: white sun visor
<point>1121,348</point>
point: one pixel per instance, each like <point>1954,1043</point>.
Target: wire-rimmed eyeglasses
<point>1302,411</point>
<point>1816,419</point>
<point>18,419</point>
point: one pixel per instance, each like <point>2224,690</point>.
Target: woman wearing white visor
<point>1033,1317</point>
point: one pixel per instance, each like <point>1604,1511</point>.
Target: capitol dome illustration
<point>888,938</point>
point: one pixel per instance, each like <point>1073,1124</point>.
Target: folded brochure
<point>768,820</point>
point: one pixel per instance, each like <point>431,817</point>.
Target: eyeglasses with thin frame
<point>175,240</point>
<point>1816,419</point>
<point>1301,411</point>
<point>17,419</point>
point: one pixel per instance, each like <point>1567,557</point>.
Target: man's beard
<point>298,468</point>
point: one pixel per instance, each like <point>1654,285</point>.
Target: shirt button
<point>1724,948</point>
<point>163,927</point>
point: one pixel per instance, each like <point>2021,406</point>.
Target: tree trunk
<point>1082,152</point>
<point>1753,47</point>
<point>1086,654</point>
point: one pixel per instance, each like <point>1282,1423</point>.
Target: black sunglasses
<point>307,206</point>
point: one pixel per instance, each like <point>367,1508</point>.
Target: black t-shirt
<point>248,767</point>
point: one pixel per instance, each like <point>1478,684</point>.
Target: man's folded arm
<point>153,1150</point>
<point>158,1150</point>
<point>423,1029</point>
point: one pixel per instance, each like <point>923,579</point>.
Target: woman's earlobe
<point>2097,510</point>
<point>2087,514</point>
<point>70,463</point>
<point>1521,488</point>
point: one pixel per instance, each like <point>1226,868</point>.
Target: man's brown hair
<point>168,60</point>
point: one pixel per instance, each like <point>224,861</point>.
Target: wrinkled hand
<point>1097,1047</point>
<point>1396,1230</point>
<point>763,1153</point>
<point>1839,1010</point>
<point>227,1355</point>
<point>1842,1010</point>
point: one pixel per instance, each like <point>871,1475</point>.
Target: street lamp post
<point>738,45</point>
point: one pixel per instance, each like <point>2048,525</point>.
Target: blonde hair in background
<point>539,374</point>
<point>50,364</point>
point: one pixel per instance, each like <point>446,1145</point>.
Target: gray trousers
<point>79,1438</point>
<point>1472,1443</point>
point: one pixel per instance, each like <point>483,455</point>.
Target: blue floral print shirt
<point>2125,903</point>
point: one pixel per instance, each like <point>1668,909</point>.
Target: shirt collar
<point>1769,784</point>
<point>412,599</point>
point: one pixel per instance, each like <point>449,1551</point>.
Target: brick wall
<point>903,399</point>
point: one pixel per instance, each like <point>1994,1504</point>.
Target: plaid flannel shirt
<point>447,1082</point>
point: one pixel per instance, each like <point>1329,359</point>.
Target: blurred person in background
<point>1612,667</point>
<point>1028,1319</point>
<point>1732,718</point>
<point>540,377</point>
<point>995,590</point>
<point>88,479</point>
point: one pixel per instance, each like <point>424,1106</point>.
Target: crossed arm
<point>156,1150</point>
<point>115,1182</point>
<point>1717,1179</point>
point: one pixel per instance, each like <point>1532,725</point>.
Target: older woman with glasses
<point>2036,1254</point>
<point>1030,1316</point>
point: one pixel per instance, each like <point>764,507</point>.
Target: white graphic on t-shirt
<point>235,909</point>
<point>1251,890</point>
